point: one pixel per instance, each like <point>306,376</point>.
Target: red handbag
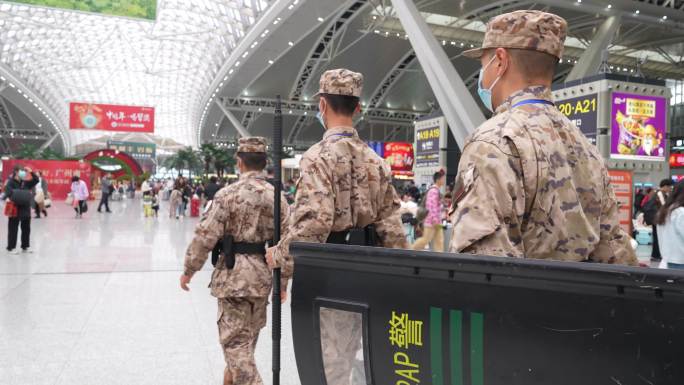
<point>11,209</point>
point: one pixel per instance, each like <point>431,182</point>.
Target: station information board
<point>428,143</point>
<point>583,112</point>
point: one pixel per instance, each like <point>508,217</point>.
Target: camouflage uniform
<point>529,183</point>
<point>343,185</point>
<point>244,210</point>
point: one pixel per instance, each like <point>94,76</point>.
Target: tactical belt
<point>357,236</point>
<point>229,248</point>
<point>249,248</point>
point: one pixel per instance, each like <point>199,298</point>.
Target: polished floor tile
<point>98,303</point>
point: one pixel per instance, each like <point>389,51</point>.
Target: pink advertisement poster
<point>638,126</point>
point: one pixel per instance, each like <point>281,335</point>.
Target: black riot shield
<point>365,315</point>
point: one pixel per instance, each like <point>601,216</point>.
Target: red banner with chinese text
<point>57,173</point>
<point>621,181</point>
<point>399,155</point>
<point>110,117</point>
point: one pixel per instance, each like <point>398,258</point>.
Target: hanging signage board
<point>583,112</point>
<point>134,149</point>
<point>428,145</point>
<point>139,9</point>
<point>430,140</point>
<point>110,117</point>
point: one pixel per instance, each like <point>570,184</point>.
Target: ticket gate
<point>365,315</point>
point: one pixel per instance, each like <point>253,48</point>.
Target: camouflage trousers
<point>341,333</point>
<point>239,322</point>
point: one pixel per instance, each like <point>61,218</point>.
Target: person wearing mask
<point>344,195</point>
<point>670,223</point>
<point>651,208</point>
<point>241,279</point>
<point>18,191</point>
<point>106,188</point>
<point>40,196</point>
<point>433,231</point>
<point>79,189</point>
<point>530,184</point>
<point>212,188</point>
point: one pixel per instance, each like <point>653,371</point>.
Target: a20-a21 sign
<point>111,117</point>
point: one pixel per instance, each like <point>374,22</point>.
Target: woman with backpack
<point>18,207</point>
<point>670,224</point>
<point>431,209</point>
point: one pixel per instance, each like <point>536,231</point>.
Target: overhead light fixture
<point>610,6</point>
<point>290,43</point>
<point>321,19</point>
<point>270,62</point>
<point>636,12</point>
<point>665,17</point>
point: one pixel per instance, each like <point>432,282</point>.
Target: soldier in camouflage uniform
<point>245,211</point>
<point>529,183</point>
<point>343,185</point>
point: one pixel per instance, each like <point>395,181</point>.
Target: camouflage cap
<point>252,144</point>
<point>532,30</point>
<point>341,82</point>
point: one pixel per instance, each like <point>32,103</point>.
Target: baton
<point>277,173</point>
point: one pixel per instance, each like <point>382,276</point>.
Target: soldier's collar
<point>532,92</point>
<point>252,175</point>
<point>341,131</point>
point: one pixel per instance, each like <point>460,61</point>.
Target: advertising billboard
<point>111,117</point>
<point>583,112</point>
<point>57,173</point>
<point>141,9</point>
<point>621,181</point>
<point>677,160</point>
<point>399,156</point>
<point>638,127</point>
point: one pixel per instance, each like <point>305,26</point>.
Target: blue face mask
<point>319,116</point>
<point>486,94</point>
<point>21,174</point>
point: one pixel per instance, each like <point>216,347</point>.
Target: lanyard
<point>533,101</point>
<point>342,134</point>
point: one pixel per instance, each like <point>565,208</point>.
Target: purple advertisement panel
<point>638,126</point>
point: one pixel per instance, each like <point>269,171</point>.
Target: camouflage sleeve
<point>312,214</point>
<point>483,206</point>
<point>207,233</point>
<point>389,228</point>
<point>286,262</point>
<point>614,245</point>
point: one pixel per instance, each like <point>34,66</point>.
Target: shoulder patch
<point>464,183</point>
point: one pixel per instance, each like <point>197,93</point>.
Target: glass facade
<point>69,56</point>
